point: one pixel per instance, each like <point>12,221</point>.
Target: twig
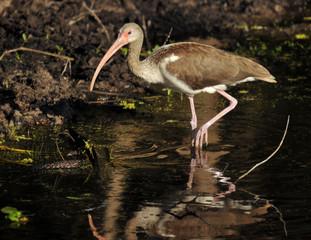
<point>92,12</point>
<point>56,142</point>
<point>268,204</point>
<point>36,51</point>
<point>60,153</point>
<point>168,36</point>
<point>227,164</point>
<point>281,218</point>
<point>65,68</point>
<point>142,154</point>
<point>276,150</point>
<point>17,162</point>
<point>144,26</point>
<point>15,149</point>
<point>82,15</point>
<point>92,4</point>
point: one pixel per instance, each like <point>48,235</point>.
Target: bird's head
<point>130,32</point>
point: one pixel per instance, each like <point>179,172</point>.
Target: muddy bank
<point>37,88</point>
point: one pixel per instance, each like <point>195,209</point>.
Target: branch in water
<point>276,150</point>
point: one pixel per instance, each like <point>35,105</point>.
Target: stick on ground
<point>36,51</point>
<point>92,12</point>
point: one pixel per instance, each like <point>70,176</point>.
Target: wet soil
<point>36,88</point>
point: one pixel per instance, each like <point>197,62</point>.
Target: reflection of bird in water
<point>201,160</point>
<point>199,212</point>
<point>189,68</point>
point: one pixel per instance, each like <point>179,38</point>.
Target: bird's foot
<point>201,138</point>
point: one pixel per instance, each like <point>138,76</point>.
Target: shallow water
<point>155,188</point>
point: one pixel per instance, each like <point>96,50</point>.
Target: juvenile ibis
<point>189,68</point>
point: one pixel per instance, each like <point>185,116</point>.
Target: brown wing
<point>201,66</point>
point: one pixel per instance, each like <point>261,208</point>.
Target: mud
<point>37,88</point>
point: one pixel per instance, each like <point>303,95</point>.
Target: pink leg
<point>193,121</point>
<point>203,130</point>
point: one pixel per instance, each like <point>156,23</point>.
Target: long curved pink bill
<point>120,42</point>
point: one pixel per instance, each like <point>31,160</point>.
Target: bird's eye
<point>129,32</point>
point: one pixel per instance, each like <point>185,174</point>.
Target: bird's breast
<point>150,72</point>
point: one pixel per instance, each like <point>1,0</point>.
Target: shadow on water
<point>153,187</point>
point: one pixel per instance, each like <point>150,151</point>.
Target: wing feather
<point>201,66</point>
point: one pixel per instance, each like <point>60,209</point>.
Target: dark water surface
<point>156,189</point>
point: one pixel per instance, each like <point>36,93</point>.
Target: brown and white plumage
<point>189,68</point>
<point>201,66</point>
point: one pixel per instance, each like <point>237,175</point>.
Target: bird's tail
<point>269,79</point>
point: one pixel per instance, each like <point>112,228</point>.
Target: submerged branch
<point>269,204</point>
<point>276,150</point>
<point>19,162</point>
